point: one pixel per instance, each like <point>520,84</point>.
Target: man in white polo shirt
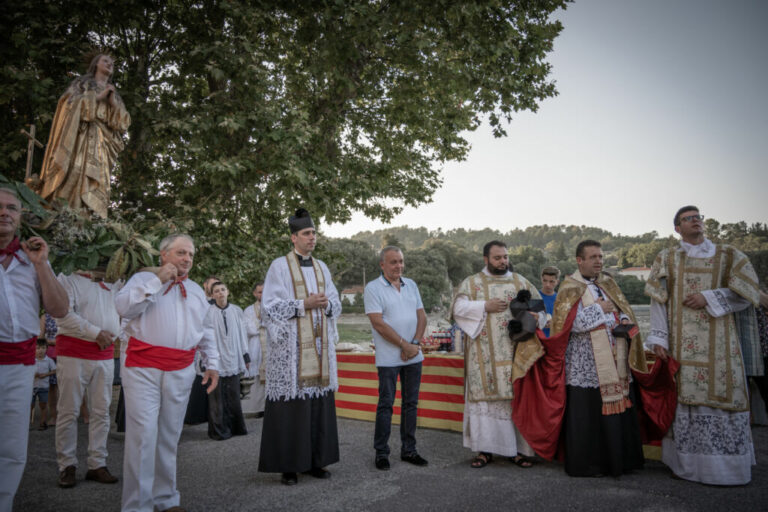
<point>393,304</point>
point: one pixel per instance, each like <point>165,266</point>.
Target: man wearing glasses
<point>696,291</point>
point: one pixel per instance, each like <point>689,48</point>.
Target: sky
<point>662,103</point>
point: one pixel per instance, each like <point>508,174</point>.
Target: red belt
<point>22,352</point>
<point>82,349</point>
<point>144,355</point>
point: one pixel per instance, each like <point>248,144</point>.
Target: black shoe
<point>289,479</point>
<point>382,463</point>
<point>415,459</point>
<point>318,473</point>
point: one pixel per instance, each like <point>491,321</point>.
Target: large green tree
<point>243,110</point>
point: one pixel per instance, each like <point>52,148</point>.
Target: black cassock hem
<point>299,435</point>
<point>596,444</point>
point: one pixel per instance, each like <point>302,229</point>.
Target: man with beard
<point>481,309</point>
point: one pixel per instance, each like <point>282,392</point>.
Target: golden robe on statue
<point>85,139</point>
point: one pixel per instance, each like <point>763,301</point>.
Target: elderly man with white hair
<point>166,315</point>
<point>26,280</point>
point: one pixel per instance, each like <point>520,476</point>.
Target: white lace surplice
<point>704,444</point>
<point>279,309</point>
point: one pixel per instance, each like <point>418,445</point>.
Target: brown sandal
<point>521,461</point>
<point>481,460</point>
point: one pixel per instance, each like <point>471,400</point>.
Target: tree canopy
<point>244,110</point>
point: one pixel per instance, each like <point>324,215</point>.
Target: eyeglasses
<point>691,218</point>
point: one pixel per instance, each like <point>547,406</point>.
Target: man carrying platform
<point>166,322</point>
<point>26,279</point>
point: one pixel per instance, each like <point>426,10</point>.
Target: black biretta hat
<point>300,221</point>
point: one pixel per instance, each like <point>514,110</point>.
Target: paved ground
<point>222,476</point>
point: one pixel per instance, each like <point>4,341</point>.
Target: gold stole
<point>313,367</point>
<point>611,362</point>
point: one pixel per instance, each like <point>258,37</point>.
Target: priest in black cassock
<point>300,306</point>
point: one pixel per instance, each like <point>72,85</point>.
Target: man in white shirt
<point>26,278</point>
<point>166,323</point>
<point>85,353</point>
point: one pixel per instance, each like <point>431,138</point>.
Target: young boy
<point>550,276</point>
<point>45,368</point>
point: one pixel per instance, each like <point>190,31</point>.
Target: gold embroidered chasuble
<point>488,362</point>
<point>313,367</point>
<point>612,361</point>
<point>708,349</point>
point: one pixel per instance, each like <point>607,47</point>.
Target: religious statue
<point>86,137</point>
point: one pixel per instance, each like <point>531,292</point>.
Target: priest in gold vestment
<point>481,309</point>
<point>696,290</point>
<point>85,139</point>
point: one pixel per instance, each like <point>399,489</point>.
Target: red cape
<point>539,403</point>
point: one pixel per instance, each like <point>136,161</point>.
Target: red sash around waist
<point>22,352</point>
<point>83,349</point>
<point>144,355</point>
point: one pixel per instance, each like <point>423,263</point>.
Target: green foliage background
<point>244,110</point>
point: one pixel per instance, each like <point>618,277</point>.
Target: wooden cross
<point>31,148</point>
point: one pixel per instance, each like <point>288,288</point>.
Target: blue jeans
<point>410,379</point>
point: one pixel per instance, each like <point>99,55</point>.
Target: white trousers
<point>15,395</point>
<point>155,403</point>
<point>74,377</point>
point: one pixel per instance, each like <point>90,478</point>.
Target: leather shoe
<point>318,473</point>
<point>382,463</point>
<point>415,459</point>
<point>101,475</point>
<point>289,479</point>
<point>175,509</point>
<point>67,477</point>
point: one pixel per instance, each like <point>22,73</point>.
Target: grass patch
<point>354,333</point>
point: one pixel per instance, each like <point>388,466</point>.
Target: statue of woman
<point>85,139</point>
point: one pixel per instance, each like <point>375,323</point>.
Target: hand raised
<point>167,273</point>
<point>36,250</point>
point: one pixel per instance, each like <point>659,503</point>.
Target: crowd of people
<point>561,371</point>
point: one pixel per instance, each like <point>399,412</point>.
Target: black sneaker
<point>415,459</point>
<point>382,463</point>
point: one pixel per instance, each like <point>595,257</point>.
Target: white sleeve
<point>723,301</point>
<point>659,333</point>
<point>137,294</point>
<point>470,315</point>
<point>73,322</point>
<point>207,345</point>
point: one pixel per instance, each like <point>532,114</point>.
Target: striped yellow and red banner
<point>441,395</point>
